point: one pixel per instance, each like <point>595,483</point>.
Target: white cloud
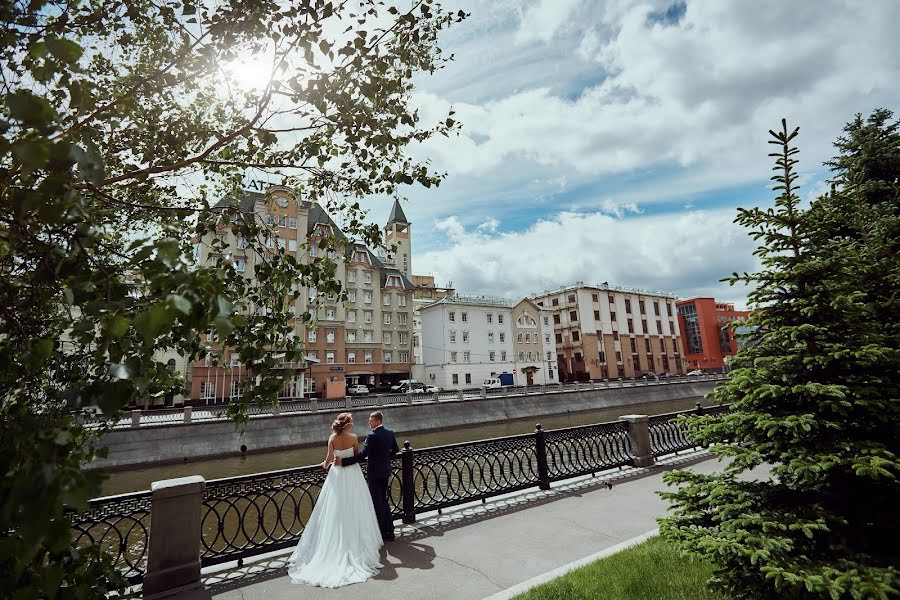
<point>543,19</point>
<point>618,208</point>
<point>687,254</point>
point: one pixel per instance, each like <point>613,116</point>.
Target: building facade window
<point>329,358</point>
<point>453,357</point>
<point>351,316</point>
<point>492,356</point>
<point>351,336</point>
<point>311,334</point>
<point>467,356</point>
<point>351,276</point>
<point>465,336</point>
<point>368,357</point>
<point>351,357</point>
<point>468,378</point>
<point>490,337</point>
<point>452,335</point>
<point>367,297</point>
<point>329,336</point>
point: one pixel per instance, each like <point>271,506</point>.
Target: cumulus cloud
<point>618,208</point>
<point>543,19</point>
<point>686,254</point>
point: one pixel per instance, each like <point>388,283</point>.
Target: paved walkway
<point>475,551</point>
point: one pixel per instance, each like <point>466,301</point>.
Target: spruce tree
<point>815,395</point>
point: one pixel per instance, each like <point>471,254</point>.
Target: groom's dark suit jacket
<point>379,448</point>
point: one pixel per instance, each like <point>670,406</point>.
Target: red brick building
<point>705,335</point>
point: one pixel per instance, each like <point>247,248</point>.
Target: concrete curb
<point>559,572</point>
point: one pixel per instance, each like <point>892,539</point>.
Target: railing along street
<point>218,412</point>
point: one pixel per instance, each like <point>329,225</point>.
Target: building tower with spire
<point>397,237</point>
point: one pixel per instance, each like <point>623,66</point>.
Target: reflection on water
<point>139,479</point>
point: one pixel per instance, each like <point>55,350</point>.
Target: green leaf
<point>180,303</point>
<point>117,327</point>
<point>30,109</point>
<point>225,306</point>
<point>153,322</point>
<point>32,154</point>
<point>65,50</point>
<point>223,326</point>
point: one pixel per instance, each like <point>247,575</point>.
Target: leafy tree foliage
<point>817,397</point>
<point>123,122</point>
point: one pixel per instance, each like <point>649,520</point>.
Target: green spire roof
<point>397,215</point>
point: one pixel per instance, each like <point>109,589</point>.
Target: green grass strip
<point>652,570</point>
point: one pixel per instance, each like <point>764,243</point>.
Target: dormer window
<point>394,281</point>
<point>361,256</point>
<point>322,230</point>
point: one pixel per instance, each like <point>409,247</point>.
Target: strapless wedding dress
<point>340,544</point>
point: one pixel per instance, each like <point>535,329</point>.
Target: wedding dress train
<point>341,541</point>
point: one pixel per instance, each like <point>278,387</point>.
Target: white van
<point>403,383</point>
<point>491,384</point>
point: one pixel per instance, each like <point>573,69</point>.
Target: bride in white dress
<point>341,541</point>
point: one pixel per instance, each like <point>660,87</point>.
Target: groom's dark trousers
<point>378,450</point>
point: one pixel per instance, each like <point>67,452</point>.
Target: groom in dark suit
<point>379,448</point>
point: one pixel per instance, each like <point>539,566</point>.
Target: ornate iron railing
<point>445,476</point>
<point>120,525</point>
<point>246,515</point>
<point>581,450</point>
<point>252,514</point>
<point>668,434</point>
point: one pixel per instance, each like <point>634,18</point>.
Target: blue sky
<point>613,140</point>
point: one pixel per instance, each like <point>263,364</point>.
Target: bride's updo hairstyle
<point>342,422</point>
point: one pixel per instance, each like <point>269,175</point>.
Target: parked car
<point>650,375</point>
<point>491,383</point>
<point>403,382</point>
<point>416,387</point>
<point>357,390</point>
<point>696,372</point>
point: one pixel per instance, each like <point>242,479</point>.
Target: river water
<point>133,480</point>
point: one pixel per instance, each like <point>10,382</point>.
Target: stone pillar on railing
<point>173,563</point>
<point>313,405</point>
<point>543,388</point>
<point>348,402</point>
<point>188,413</point>
<point>540,444</point>
<point>408,483</point>
<point>559,386</point>
<point>276,410</point>
<point>460,395</point>
<point>484,392</point>
<point>606,383</point>
<point>437,397</point>
<point>505,391</point>
<point>409,398</point>
<point>639,437</point>
<point>135,418</point>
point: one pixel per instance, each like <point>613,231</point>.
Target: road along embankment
<point>181,442</point>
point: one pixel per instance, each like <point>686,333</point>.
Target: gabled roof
<point>317,214</point>
<point>407,284</point>
<point>357,247</point>
<point>397,215</point>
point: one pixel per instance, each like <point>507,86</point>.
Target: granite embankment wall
<point>147,445</point>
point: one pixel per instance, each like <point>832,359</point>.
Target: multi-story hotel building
<point>606,332</point>
<point>367,340</point>
<point>707,338</point>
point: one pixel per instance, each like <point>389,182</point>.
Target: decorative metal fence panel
<point>448,475</point>
<point>581,450</point>
<point>121,526</point>
<point>668,435</point>
<point>250,514</point>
